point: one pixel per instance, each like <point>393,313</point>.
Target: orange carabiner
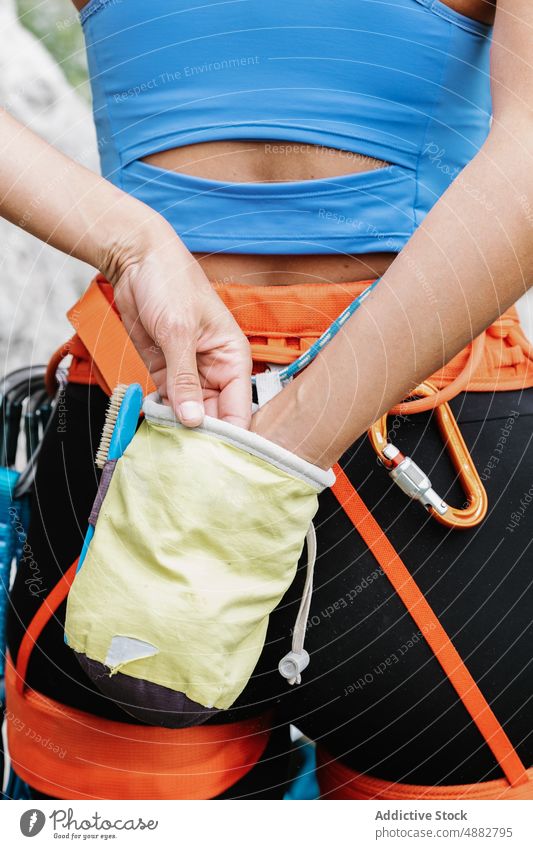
<point>412,480</point>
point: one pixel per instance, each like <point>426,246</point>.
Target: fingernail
<point>191,413</point>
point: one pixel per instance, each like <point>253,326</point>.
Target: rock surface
<point>38,283</point>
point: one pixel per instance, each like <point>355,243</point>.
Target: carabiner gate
<point>415,483</point>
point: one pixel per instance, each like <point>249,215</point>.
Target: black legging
<point>374,695</point>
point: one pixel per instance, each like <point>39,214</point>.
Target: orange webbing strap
<point>99,327</point>
<point>430,627</point>
<point>338,781</point>
<point>290,310</point>
<point>70,754</point>
<point>282,322</point>
<point>47,609</point>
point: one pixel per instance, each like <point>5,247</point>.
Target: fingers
<point>235,401</point>
<point>151,355</point>
<point>183,383</point>
<point>211,406</point>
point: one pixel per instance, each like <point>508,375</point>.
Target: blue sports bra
<point>405,81</point>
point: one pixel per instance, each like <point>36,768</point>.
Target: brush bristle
<point>109,425</point>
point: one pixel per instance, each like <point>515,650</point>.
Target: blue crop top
<point>405,81</point>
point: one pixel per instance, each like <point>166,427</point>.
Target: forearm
<point>470,259</point>
<point>62,203</point>
<point>189,341</point>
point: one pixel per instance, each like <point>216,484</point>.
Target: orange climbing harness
<point>281,323</point>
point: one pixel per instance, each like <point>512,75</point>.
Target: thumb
<point>183,383</point>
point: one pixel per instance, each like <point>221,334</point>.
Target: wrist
<point>286,421</point>
<point>132,240</point>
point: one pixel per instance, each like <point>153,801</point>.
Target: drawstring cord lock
<point>293,664</point>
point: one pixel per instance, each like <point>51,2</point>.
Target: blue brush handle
<point>126,423</point>
<point>123,433</point>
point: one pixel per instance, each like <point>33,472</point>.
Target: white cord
<point>293,664</point>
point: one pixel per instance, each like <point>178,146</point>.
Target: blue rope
<point>16,788</point>
<point>304,359</point>
<point>14,519</point>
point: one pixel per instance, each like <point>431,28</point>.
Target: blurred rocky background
<point>43,83</point>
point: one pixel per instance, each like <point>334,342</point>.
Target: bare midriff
<point>275,162</point>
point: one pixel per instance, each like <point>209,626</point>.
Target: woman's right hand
<point>197,355</point>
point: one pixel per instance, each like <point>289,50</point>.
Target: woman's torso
<point>425,40</point>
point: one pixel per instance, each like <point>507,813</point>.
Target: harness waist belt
<point>281,322</point>
<point>70,754</point>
